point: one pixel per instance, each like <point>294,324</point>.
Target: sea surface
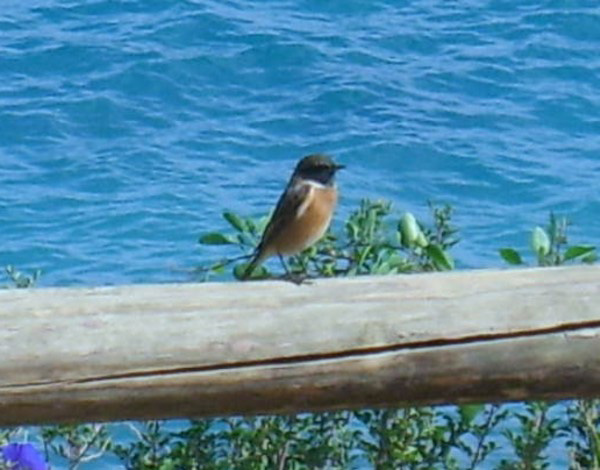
<point>127,128</point>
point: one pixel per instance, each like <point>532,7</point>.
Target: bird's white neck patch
<point>308,198</point>
<point>315,184</point>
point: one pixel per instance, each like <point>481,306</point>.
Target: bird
<point>303,212</point>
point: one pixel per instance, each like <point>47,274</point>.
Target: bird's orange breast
<point>311,223</point>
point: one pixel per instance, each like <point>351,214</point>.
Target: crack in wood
<point>355,353</point>
<point>325,356</point>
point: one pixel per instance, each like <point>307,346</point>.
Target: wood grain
<point>161,351</point>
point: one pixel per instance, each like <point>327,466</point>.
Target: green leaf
<point>441,259</point>
<point>469,412</point>
<point>577,251</point>
<point>397,261</point>
<point>218,268</point>
<point>236,221</point>
<point>261,224</point>
<point>216,238</point>
<point>167,464</point>
<point>511,256</point>
<point>352,228</point>
<point>244,238</point>
<point>260,272</point>
<point>589,259</point>
<point>381,268</point>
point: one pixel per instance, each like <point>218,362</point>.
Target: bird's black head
<point>318,168</point>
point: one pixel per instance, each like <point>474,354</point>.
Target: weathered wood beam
<point>164,351</point>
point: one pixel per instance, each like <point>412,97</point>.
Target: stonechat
<point>303,212</point>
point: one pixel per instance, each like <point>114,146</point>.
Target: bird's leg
<point>290,276</point>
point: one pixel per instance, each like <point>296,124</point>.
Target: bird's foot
<point>297,278</point>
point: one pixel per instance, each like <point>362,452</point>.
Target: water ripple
<point>128,127</point>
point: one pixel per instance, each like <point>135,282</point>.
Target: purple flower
<point>23,457</point>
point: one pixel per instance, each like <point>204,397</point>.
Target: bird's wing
<point>285,211</point>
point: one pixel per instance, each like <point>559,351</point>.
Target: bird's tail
<point>257,259</point>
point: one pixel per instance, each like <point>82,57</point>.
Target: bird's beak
<point>339,167</point>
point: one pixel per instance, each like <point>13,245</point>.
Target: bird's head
<point>318,168</point>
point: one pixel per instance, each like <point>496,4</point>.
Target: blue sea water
<point>126,128</point>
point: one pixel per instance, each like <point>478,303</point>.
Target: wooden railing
<point>192,350</point>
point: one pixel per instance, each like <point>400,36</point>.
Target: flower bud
<point>409,228</point>
<point>540,243</point>
<point>421,240</point>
